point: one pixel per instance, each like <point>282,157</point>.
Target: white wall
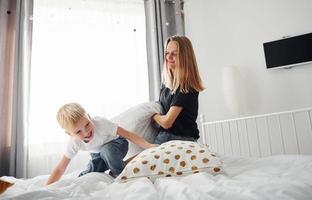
<point>227,33</point>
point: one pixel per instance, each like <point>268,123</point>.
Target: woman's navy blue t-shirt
<point>185,124</point>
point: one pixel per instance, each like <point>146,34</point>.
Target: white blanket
<point>275,177</point>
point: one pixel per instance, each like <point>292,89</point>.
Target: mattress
<point>274,177</point>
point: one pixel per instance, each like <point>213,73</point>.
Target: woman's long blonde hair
<point>186,75</point>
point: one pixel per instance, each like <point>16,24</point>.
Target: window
<point>91,52</point>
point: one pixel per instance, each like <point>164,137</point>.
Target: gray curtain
<point>164,18</point>
<point>15,46</point>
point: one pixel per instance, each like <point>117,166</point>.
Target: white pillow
<point>138,120</point>
<point>173,158</point>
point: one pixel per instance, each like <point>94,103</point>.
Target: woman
<point>181,85</point>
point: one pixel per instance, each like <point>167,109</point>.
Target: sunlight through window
<point>91,52</point>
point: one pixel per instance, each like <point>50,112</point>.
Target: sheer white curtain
<point>91,52</point>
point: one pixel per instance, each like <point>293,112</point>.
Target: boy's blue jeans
<point>163,137</point>
<point>110,157</point>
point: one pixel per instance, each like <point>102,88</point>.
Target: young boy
<point>96,135</point>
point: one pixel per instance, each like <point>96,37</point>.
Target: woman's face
<point>171,55</point>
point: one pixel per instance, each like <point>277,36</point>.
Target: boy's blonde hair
<point>186,75</point>
<point>69,114</point>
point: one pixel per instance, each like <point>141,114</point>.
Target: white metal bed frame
<point>288,132</point>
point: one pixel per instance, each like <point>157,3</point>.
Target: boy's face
<point>83,129</point>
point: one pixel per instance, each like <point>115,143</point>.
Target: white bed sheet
<point>275,177</point>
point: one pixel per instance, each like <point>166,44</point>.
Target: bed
<point>263,157</point>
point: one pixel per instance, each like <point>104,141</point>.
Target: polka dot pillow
<point>173,158</point>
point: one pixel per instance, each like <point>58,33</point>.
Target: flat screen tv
<point>288,52</point>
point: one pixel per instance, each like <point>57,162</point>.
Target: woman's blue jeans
<point>163,137</point>
<point>110,157</point>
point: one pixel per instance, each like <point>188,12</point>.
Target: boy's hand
<point>153,145</point>
<point>58,171</point>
